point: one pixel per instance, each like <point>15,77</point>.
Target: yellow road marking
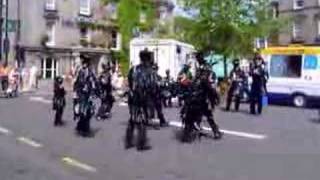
<point>75,163</point>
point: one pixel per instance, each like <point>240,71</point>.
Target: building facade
<point>304,16</point>
<point>52,34</point>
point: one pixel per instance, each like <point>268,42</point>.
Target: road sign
<point>12,25</point>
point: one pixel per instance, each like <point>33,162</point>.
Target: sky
<point>178,9</point>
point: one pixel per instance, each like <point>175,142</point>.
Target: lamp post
<point>6,41</point>
<point>18,36</point>
<point>1,22</point>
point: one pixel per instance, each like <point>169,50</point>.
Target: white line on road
<point>123,104</point>
<point>234,133</point>
<point>40,99</point>
<point>5,131</point>
<point>75,163</point>
<point>29,142</point>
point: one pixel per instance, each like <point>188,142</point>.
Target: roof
<point>144,41</point>
<point>66,49</point>
<point>292,50</point>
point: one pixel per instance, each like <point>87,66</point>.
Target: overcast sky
<point>179,10</point>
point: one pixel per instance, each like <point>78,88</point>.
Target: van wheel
<point>299,101</point>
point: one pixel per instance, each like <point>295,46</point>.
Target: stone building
<point>305,17</point>
<point>54,33</point>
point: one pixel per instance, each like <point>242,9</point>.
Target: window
<point>297,30</point>
<point>143,17</point>
<point>50,5</point>
<point>113,11</point>
<point>85,7</point>
<point>50,28</point>
<point>115,40</point>
<point>275,10</point>
<point>49,68</point>
<point>261,43</point>
<point>286,66</point>
<point>85,34</point>
<point>318,26</point>
<point>310,62</point>
<point>298,4</point>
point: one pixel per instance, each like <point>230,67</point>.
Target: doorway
<point>49,68</point>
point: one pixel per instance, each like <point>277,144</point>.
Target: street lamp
<point>1,22</point>
<point>6,41</point>
<point>18,36</point>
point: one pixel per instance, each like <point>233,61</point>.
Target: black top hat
<point>199,55</point>
<point>236,62</point>
<point>59,80</point>
<point>155,67</point>
<point>85,59</point>
<point>145,55</point>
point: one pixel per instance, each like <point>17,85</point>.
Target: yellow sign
<point>291,50</point>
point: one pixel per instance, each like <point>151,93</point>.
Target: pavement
<point>282,144</point>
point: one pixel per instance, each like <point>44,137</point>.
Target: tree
<point>132,16</point>
<point>227,27</point>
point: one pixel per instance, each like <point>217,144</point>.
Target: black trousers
<point>193,117</point>
<point>4,83</point>
<point>58,116</point>
<point>76,114</point>
<point>138,121</point>
<point>83,126</point>
<point>230,98</point>
<point>190,117</point>
<point>209,115</point>
<point>106,106</point>
<point>153,107</point>
<point>255,101</point>
<point>167,101</point>
<point>158,108</point>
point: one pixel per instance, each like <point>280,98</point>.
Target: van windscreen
<point>286,66</point>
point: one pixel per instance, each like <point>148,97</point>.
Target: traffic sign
<point>12,25</point>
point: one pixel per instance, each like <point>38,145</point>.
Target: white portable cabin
<point>169,54</point>
<point>294,74</point>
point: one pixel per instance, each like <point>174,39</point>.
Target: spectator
<point>33,76</point>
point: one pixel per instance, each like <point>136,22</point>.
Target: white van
<point>294,75</point>
<point>169,54</point>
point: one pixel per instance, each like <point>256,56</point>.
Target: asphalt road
<point>282,144</point>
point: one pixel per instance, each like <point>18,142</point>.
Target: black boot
<point>58,118</point>
<point>217,134</point>
<point>237,104</point>
<point>129,135</point>
<point>187,133</point>
<point>142,144</point>
<point>163,122</point>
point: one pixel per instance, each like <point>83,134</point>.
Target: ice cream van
<point>294,74</point>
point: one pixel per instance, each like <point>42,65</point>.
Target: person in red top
<point>184,81</point>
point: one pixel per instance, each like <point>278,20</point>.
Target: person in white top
<point>33,76</point>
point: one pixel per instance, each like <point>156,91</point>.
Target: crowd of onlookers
<point>14,80</point>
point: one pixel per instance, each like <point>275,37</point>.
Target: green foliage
<point>129,12</point>
<point>104,26</point>
<point>122,58</point>
<point>228,27</point>
<point>84,42</point>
